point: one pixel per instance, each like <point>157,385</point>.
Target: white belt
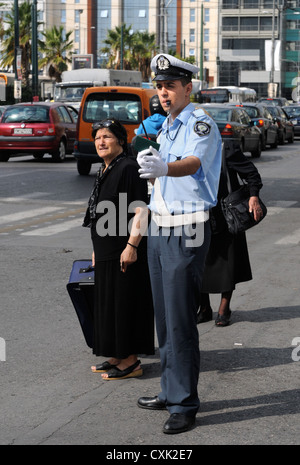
<point>164,219</point>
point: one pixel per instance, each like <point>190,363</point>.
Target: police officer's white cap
<point>166,67</point>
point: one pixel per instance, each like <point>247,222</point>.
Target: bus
<point>226,94</point>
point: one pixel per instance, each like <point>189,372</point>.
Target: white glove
<point>152,166</point>
<point>141,155</point>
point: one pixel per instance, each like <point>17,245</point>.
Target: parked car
<point>234,123</point>
<point>285,126</point>
<point>276,101</point>
<point>2,108</point>
<point>293,114</point>
<point>37,128</point>
<point>263,119</point>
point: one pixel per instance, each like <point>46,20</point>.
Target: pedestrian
<point>186,171</point>
<point>153,123</point>
<point>227,261</point>
<point>123,312</point>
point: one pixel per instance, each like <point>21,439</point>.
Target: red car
<point>37,128</point>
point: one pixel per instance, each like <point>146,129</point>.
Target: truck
<point>74,82</point>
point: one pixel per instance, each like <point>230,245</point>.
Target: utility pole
<point>18,55</point>
<point>201,46</point>
<point>17,43</point>
<point>34,51</point>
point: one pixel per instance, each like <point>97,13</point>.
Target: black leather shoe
<point>152,403</point>
<point>178,423</point>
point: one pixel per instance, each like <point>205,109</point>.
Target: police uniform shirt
<point>193,132</point>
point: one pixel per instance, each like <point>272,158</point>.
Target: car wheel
<point>275,144</point>
<point>256,153</point>
<point>291,139</point>
<point>83,167</point>
<point>4,156</point>
<point>60,155</point>
<point>281,138</point>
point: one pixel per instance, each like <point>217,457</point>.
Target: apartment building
<point>258,44</point>
<point>250,43</point>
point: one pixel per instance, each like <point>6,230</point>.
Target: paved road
<point>249,382</point>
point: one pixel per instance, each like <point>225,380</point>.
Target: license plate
<point>23,131</point>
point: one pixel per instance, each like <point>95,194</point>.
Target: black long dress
<point>227,262</point>
<point>123,311</point>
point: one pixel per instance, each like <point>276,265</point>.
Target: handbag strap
<point>225,171</point>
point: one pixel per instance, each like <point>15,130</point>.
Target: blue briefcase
<point>81,291</point>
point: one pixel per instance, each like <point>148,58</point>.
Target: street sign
<point>17,89</point>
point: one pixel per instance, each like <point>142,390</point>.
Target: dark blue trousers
<point>176,274</point>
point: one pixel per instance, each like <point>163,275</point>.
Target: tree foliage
<point>57,49</point>
<point>138,49</point>
<point>7,36</point>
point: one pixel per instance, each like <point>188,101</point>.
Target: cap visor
<point>167,77</point>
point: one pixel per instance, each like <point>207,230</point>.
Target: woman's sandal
<point>223,320</point>
<point>116,373</point>
<point>103,367</point>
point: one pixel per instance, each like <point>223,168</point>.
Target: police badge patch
<point>201,128</point>
<point>162,63</point>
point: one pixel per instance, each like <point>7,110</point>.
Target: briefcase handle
<point>89,269</point>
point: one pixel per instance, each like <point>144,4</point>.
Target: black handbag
<point>235,207</point>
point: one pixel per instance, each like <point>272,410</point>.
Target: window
<point>265,24</point>
<point>230,24</point>
<point>192,52</point>
<point>206,15</point>
<point>230,4</point>
<point>104,13</point>
<point>250,4</point>
<point>206,54</point>
<point>63,16</point>
<point>76,36</point>
<point>192,15</point>
<point>192,35</point>
<point>142,13</point>
<point>249,24</point>
<point>77,16</point>
<point>206,35</point>
<point>65,115</point>
<point>125,107</point>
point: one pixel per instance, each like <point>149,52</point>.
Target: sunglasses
<point>103,124</point>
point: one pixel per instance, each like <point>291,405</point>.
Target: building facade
<point>258,45</point>
<point>250,43</point>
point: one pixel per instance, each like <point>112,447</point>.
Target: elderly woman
<point>227,261</point>
<point>123,312</point>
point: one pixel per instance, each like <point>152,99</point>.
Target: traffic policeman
<point>186,170</point>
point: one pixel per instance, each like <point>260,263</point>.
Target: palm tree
<point>57,50</point>
<point>113,47</point>
<point>8,40</point>
<point>143,50</point>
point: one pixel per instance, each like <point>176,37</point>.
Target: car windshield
<point>124,107</point>
<point>293,111</point>
<point>272,110</point>
<point>274,101</point>
<point>219,114</point>
<point>252,112</point>
<point>20,114</point>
